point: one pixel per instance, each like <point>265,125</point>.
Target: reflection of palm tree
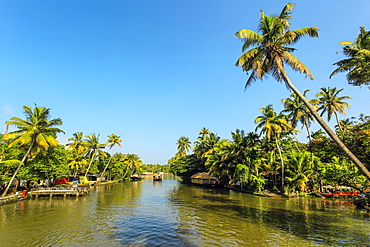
<point>358,62</point>
<point>112,141</point>
<point>272,51</point>
<point>329,102</point>
<point>272,125</point>
<point>183,146</point>
<point>93,148</point>
<point>37,132</point>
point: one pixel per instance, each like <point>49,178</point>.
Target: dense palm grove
<point>271,157</point>
<point>32,153</point>
<point>275,160</point>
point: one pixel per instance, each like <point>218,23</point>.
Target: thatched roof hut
<point>204,178</point>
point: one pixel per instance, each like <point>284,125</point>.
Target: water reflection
<point>167,213</point>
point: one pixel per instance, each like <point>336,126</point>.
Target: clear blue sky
<point>152,71</point>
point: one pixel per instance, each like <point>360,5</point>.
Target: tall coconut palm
<point>183,146</point>
<point>272,51</point>
<point>330,103</point>
<point>93,148</point>
<point>204,132</point>
<point>358,62</point>
<point>77,160</point>
<point>37,133</point>
<point>113,140</point>
<point>298,112</point>
<point>272,125</point>
<point>200,145</point>
<point>76,141</point>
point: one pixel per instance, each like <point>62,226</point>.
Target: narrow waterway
<point>168,213</point>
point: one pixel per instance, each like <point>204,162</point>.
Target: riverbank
<point>169,213</point>
<point>9,199</point>
<point>64,191</point>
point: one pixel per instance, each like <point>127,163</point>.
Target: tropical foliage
<point>31,153</point>
<point>357,63</point>
<point>271,51</point>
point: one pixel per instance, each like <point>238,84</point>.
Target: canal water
<point>168,213</point>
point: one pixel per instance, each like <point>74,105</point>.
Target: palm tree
<point>220,161</point>
<point>298,112</point>
<point>204,132</point>
<point>183,146</point>
<point>112,141</point>
<point>329,102</point>
<point>200,145</point>
<point>93,148</point>
<point>358,62</point>
<point>272,125</point>
<point>133,162</point>
<point>272,51</point>
<point>77,160</point>
<point>299,169</point>
<point>36,132</point>
<point>76,141</point>
<point>345,126</point>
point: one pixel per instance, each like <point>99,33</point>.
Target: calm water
<point>167,213</point>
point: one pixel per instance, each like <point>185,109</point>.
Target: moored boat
<point>205,179</point>
<point>341,192</point>
<point>136,177</point>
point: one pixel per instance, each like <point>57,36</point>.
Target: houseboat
<point>204,179</point>
<point>136,177</point>
<point>157,177</point>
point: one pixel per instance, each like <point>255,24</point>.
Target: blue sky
<point>152,71</point>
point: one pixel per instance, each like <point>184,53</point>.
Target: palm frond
<point>250,38</point>
<point>296,65</point>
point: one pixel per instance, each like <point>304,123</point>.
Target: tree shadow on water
<point>328,229</point>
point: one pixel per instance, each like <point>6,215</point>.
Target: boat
<point>205,179</point>
<point>157,177</point>
<point>339,192</point>
<point>136,177</point>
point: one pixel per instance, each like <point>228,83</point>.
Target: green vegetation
<point>358,62</point>
<point>32,153</point>
<point>275,160</point>
<point>272,159</point>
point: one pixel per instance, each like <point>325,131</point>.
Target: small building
<point>204,178</point>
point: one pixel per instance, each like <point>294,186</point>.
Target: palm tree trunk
<point>17,170</point>
<point>88,168</point>
<point>105,168</point>
<point>326,127</point>
<point>295,143</point>
<point>124,175</point>
<point>336,118</point>
<point>282,163</point>
<point>310,141</point>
